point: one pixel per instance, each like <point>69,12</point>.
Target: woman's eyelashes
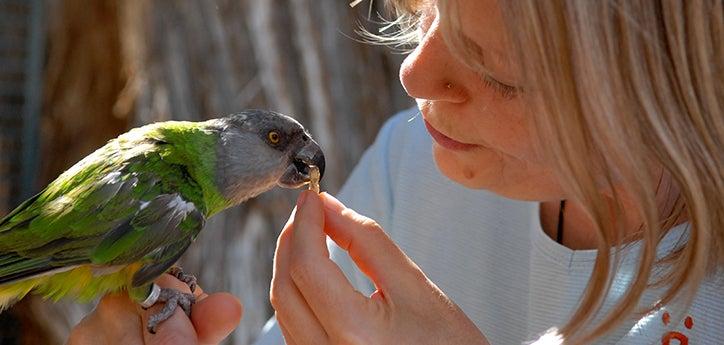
<point>505,90</point>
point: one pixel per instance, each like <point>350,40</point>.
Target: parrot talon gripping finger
<point>189,279</point>
<point>172,298</point>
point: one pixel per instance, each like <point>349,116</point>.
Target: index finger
<point>320,281</point>
<point>371,249</point>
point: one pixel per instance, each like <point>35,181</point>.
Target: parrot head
<point>258,149</point>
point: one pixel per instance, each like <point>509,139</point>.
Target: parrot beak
<point>297,173</point>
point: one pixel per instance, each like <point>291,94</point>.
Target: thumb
<point>215,317</point>
<point>372,250</point>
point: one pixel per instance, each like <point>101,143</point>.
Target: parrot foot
<point>189,279</point>
<point>172,298</point>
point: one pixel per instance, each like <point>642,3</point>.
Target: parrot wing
<point>156,236</point>
<point>126,216</point>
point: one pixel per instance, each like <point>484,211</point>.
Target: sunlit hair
<point>636,88</point>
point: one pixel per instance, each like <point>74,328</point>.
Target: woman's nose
<point>429,72</point>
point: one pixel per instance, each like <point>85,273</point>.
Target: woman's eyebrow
<point>478,53</point>
<point>473,48</point>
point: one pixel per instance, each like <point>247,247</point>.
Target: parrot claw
<point>172,298</point>
<point>189,279</point>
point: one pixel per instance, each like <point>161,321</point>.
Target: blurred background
<point>76,73</point>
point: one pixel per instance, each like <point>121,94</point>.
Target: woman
<point>602,119</point>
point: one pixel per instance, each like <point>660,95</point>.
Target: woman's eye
<point>507,91</point>
<point>274,137</point>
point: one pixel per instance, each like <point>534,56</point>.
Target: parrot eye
<point>273,137</point>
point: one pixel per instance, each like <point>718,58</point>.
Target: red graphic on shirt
<point>683,340</point>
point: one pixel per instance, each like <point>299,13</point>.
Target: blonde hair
<point>635,84</point>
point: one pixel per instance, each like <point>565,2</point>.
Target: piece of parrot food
<point>314,177</point>
<point>124,215</point>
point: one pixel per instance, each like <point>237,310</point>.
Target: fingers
<point>310,218</point>
<point>295,318</point>
<point>119,320</point>
<point>177,329</point>
<point>288,339</point>
<point>114,321</point>
<point>370,248</point>
<point>215,317</point>
<point>320,281</point>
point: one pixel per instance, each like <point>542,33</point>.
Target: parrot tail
<point>14,267</point>
<point>18,276</point>
<point>81,281</point>
<point>11,293</point>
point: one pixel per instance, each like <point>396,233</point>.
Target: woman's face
<point>478,121</point>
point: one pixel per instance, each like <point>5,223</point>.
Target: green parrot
<point>124,215</point>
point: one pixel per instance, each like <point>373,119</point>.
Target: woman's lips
<point>446,141</point>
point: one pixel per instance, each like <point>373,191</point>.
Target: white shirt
<point>490,255</point>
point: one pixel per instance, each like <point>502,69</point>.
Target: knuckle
<point>279,296</point>
<point>373,231</point>
<point>301,272</point>
<point>276,298</point>
<point>274,286</point>
<point>277,290</point>
<point>365,223</point>
<point>371,225</point>
<point>368,224</point>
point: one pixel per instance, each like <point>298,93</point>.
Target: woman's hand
<point>119,320</point>
<point>315,304</point>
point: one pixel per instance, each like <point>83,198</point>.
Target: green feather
<point>93,215</point>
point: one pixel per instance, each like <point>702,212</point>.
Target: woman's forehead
<point>480,30</point>
<point>480,21</point>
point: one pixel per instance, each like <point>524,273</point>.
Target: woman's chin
<point>458,170</point>
<point>485,172</point>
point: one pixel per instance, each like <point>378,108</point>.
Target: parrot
<point>123,215</point>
